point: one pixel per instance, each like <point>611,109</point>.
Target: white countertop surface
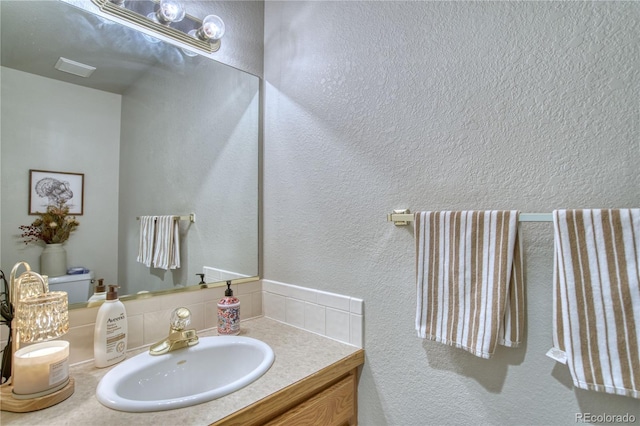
<point>298,355</point>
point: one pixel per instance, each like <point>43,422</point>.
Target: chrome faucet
<point>178,337</point>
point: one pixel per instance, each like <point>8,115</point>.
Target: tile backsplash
<point>148,318</point>
<point>332,315</point>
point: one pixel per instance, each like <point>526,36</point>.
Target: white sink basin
<point>215,367</point>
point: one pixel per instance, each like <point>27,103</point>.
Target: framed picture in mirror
<point>47,188</point>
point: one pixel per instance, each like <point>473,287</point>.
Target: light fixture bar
<point>122,12</point>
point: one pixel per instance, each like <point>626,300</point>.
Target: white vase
<point>53,260</point>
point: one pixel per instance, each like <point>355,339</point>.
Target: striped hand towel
<point>597,299</point>
<point>469,279</point>
<point>166,253</point>
<point>147,240</point>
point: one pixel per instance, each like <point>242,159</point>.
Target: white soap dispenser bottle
<point>110,334</point>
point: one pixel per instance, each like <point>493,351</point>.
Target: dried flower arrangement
<point>53,227</point>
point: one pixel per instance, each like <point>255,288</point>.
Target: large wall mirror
<point>153,131</point>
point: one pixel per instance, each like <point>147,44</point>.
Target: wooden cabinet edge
<point>277,403</point>
<point>333,405</point>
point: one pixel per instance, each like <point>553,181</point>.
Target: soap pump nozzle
<point>112,292</point>
<point>228,291</point>
<point>201,278</point>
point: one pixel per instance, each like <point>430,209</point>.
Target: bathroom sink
<point>215,367</point>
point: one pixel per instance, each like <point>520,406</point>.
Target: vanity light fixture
<point>39,372</point>
<point>168,17</point>
<point>212,29</point>
<point>168,12</point>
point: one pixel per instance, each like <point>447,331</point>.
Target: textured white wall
<point>372,106</point>
<point>51,125</point>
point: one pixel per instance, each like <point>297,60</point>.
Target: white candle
<point>40,367</point>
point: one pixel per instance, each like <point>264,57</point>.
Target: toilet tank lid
<point>70,278</point>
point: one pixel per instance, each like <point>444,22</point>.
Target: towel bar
<point>191,217</point>
<point>402,217</point>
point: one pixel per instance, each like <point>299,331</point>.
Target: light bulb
<point>212,28</point>
<point>170,11</point>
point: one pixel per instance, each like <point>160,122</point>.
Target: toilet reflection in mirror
<point>79,287</point>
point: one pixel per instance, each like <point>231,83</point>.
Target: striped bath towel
<point>147,239</point>
<point>597,298</point>
<point>166,252</point>
<point>469,279</point>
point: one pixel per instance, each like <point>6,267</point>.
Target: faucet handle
<point>178,336</point>
<point>180,319</point>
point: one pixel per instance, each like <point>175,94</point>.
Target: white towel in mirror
<point>166,253</point>
<point>147,239</point>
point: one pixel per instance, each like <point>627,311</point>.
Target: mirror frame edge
<point>175,290</point>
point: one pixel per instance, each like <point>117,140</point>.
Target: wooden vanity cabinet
<point>328,397</point>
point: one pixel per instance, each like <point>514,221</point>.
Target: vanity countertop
<point>299,354</point>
